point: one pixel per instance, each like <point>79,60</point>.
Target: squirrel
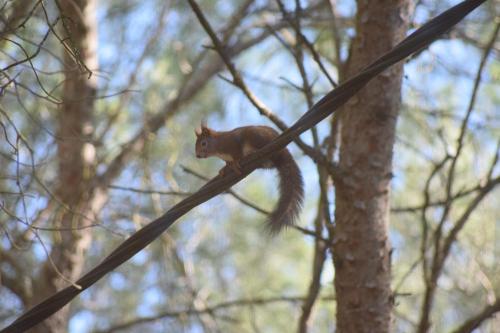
<point>232,146</point>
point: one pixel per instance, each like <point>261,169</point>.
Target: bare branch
<point>442,246</point>
<point>234,194</point>
<point>474,322</point>
<point>211,309</point>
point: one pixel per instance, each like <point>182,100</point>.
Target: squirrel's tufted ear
<point>204,128</point>
<point>198,131</point>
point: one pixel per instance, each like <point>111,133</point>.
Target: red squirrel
<point>232,146</point>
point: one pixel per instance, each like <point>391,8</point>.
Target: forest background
<point>86,160</point>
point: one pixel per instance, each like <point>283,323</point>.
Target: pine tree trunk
<point>362,249</point>
<point>76,161</point>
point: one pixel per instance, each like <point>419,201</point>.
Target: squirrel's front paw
<point>235,166</point>
<point>223,171</point>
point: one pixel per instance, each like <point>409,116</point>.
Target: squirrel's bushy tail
<point>291,190</point>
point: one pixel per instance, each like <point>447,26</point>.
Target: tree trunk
<point>76,161</point>
<point>361,245</point>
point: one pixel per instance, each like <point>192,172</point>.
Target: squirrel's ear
<point>198,131</point>
<point>204,129</point>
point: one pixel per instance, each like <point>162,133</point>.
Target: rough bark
<point>76,159</point>
<point>361,244</point>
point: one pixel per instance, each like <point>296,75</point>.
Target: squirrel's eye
<point>203,143</point>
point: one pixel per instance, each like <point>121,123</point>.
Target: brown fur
<point>232,146</point>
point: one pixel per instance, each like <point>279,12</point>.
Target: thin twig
<point>213,309</point>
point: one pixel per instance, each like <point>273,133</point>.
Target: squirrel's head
<point>204,141</point>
